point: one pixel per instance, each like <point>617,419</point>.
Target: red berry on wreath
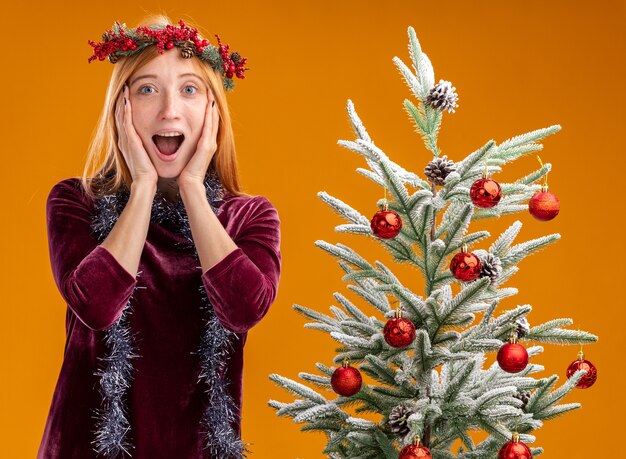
<point>169,45</point>
<point>346,380</point>
<point>465,266</point>
<point>544,205</point>
<point>386,224</point>
<point>581,364</point>
<point>485,193</point>
<point>515,449</point>
<point>415,451</point>
<point>399,332</point>
<point>512,357</point>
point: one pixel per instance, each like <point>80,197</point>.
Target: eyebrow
<point>156,77</point>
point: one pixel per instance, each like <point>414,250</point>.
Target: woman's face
<point>167,96</point>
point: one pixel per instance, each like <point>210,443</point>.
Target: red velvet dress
<point>165,401</point>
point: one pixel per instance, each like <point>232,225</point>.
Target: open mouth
<point>169,143</point>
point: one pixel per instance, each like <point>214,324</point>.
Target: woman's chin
<point>173,167</point>
<point>168,172</point>
<point>168,169</point>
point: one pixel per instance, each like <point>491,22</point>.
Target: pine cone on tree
<point>398,419</point>
<point>438,169</point>
<point>491,265</point>
<point>522,327</point>
<point>442,97</point>
<point>524,397</point>
<point>187,50</point>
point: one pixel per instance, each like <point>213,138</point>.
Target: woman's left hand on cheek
<point>196,168</point>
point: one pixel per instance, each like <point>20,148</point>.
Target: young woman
<point>163,262</point>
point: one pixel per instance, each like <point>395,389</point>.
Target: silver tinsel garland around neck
<point>112,425</point>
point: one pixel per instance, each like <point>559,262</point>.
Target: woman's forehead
<point>169,65</point>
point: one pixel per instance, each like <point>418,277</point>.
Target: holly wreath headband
<point>121,41</point>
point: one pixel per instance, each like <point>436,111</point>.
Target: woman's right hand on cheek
<point>137,159</point>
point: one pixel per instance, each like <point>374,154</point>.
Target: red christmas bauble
<point>415,452</point>
<point>465,266</point>
<point>386,224</point>
<point>485,193</point>
<point>512,357</point>
<point>544,206</point>
<point>515,450</point>
<point>581,364</point>
<point>346,381</point>
<point>399,332</point>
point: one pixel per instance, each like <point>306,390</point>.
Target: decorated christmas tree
<point>428,388</point>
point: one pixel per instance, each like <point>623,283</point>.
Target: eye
<point>190,89</point>
<point>141,90</point>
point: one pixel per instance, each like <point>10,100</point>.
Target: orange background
<point>517,67</point>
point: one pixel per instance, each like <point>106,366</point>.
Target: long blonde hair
<point>106,170</point>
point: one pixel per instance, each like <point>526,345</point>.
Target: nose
<point>169,106</point>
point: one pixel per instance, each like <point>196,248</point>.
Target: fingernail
<point>212,103</point>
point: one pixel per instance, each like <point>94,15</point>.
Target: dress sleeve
<point>242,286</point>
<point>91,281</point>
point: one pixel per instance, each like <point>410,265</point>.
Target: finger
<point>131,134</point>
<point>118,109</point>
<point>118,115</point>
<point>215,119</point>
<point>212,118</point>
<point>128,114</point>
<point>205,136</point>
<point>119,118</point>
